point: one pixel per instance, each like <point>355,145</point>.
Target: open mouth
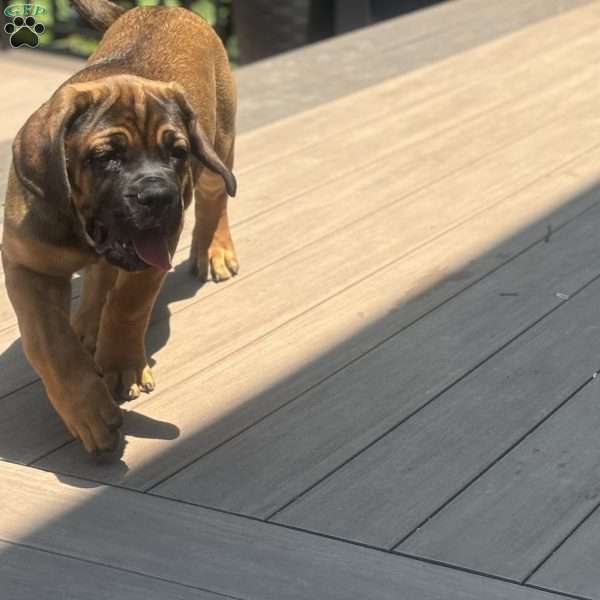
<point>142,249</point>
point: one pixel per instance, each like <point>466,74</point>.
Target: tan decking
<point>396,398</point>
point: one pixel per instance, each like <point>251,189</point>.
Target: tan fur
<point>147,55</point>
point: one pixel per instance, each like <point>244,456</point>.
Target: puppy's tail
<point>100,14</point>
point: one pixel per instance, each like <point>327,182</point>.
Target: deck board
<point>65,578</point>
<point>223,553</point>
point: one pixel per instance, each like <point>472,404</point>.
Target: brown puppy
<point>100,177</point>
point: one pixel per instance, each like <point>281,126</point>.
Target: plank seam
<point>462,569</point>
<point>498,459</point>
<point>45,454</point>
<point>116,568</point>
<point>561,543</point>
<point>284,526</point>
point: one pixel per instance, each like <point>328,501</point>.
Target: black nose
<point>154,192</point>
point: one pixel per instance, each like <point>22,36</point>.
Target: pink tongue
<point>153,249</point>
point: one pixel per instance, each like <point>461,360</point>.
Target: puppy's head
<point>115,155</point>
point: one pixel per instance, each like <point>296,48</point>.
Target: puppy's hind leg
<point>98,279</point>
<point>212,250</point>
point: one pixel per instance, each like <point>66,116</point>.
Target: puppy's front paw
<point>91,415</point>
<point>129,381</point>
<point>219,260</point>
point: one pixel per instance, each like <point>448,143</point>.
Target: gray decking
<point>398,396</point>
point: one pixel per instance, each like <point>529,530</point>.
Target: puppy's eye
<point>101,156</point>
<point>106,159</point>
<point>179,151</point>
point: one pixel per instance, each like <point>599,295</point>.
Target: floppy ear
<point>39,148</point>
<point>202,147</point>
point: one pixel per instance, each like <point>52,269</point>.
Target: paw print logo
<point>24,32</point>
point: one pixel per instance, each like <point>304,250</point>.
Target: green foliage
<point>81,45</point>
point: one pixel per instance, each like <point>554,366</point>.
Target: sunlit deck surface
<point>397,397</point>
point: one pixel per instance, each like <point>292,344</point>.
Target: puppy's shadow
<point>142,426</point>
<point>111,464</point>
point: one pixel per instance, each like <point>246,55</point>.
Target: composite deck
<point>398,397</point>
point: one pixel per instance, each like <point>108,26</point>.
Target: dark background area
<point>250,29</point>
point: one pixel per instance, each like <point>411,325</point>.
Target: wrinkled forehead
<point>141,114</point>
